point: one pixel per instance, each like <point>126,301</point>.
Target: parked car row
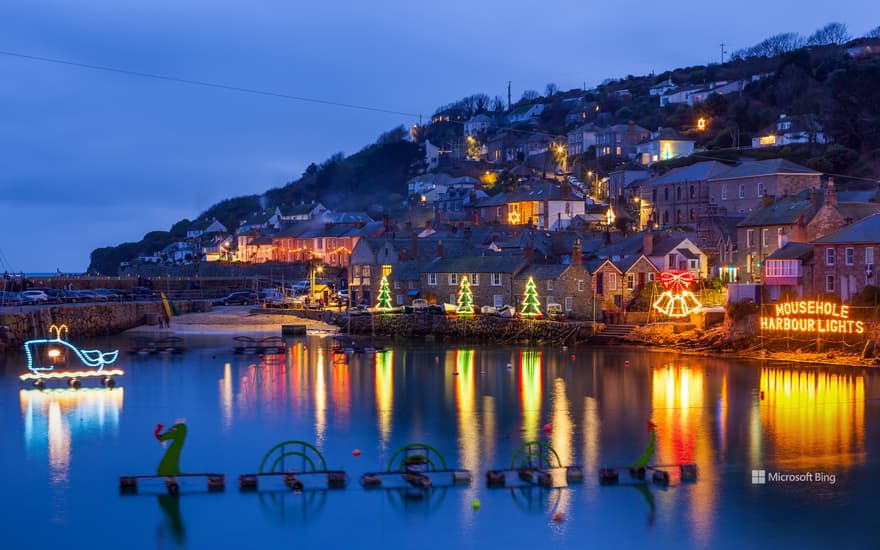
<point>64,296</point>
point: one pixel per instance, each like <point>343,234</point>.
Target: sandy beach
<point>231,320</point>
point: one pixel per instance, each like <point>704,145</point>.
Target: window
<point>666,194</point>
<point>550,300</point>
<point>630,281</point>
<point>650,276</point>
<point>849,255</point>
<point>498,300</point>
<point>678,193</point>
<point>724,192</point>
<point>869,256</point>
<point>829,256</point>
<point>496,279</point>
<point>365,270</point>
<point>617,151</point>
<point>693,214</point>
<point>782,268</point>
<point>829,283</point>
<point>400,299</point>
<point>475,279</point>
<point>750,238</point>
<point>693,265</point>
<point>396,284</point>
<point>432,279</point>
<point>498,212</point>
<point>693,192</point>
<point>549,285</point>
<point>453,279</point>
<point>670,261</point>
<point>356,270</point>
<point>612,281</point>
<point>742,190</point>
<point>764,237</point>
<point>569,303</point>
<point>320,243</point>
<point>386,270</point>
<point>580,285</point>
<point>453,299</point>
<point>760,189</point>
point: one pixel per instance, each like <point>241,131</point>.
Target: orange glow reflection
<point>812,416</point>
<point>530,384</point>
<point>384,394</point>
<point>468,421</point>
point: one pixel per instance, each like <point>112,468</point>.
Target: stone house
<point>582,138</point>
<point>617,283</point>
<point>742,188</point>
<point>680,196</point>
<point>844,259</point>
<point>543,206</point>
<point>491,279</point>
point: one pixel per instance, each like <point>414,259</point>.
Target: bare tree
<point>529,95</point>
<point>551,89</point>
<point>832,33</point>
<point>771,47</point>
<point>498,104</point>
<point>873,33</point>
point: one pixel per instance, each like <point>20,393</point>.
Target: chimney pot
<point>648,243</point>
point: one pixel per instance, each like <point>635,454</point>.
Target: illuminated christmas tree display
<point>384,301</point>
<point>465,298</point>
<point>677,300</point>
<point>531,307</point>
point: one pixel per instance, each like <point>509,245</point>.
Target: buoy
<point>572,357</point>
<point>548,427</point>
<point>558,517</point>
<point>509,366</point>
<point>626,363</point>
<point>356,452</point>
<point>476,504</point>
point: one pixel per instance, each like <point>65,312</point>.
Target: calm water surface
<point>62,451</point>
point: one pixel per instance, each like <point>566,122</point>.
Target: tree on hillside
<point>529,95</point>
<point>498,104</point>
<point>771,47</point>
<point>832,33</point>
<point>551,89</point>
<point>873,33</point>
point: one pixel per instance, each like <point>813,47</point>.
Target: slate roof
<point>757,168</point>
<point>543,272</point>
<point>865,231</point>
<point>695,172</point>
<point>785,211</point>
<point>406,271</point>
<point>792,251</point>
<point>475,264</point>
<point>667,243</point>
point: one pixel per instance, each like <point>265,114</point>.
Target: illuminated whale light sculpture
<point>47,359</point>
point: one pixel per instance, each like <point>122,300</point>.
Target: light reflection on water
<point>726,417</point>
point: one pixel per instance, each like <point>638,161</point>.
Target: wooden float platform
<point>417,478</point>
<point>332,479</point>
<point>129,484</point>
<point>547,478</point>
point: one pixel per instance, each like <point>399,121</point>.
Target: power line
<point>205,84</point>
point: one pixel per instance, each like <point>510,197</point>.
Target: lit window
<point>365,271</point>
<point>630,281</point>
<point>386,270</point>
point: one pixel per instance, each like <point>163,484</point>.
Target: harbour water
<point>63,451</point>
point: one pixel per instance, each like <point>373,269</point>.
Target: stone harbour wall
<point>83,320</point>
<point>481,328</point>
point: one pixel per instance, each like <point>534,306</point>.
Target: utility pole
<point>508,94</point>
<point>722,53</point>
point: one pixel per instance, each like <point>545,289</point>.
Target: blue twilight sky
<point>90,158</point>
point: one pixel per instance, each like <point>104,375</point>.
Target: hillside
<point>817,79</point>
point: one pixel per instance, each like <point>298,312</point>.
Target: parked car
<point>34,297</point>
<point>243,297</point>
<point>59,295</point>
<point>108,293</point>
<point>555,312</point>
<point>8,298</point>
<point>420,305</point>
<point>141,293</point>
<point>89,296</point>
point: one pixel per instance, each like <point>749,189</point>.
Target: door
<point>599,283</point>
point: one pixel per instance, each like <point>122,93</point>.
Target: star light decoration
<point>677,300</point>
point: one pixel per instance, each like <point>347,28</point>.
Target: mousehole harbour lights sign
<point>811,316</point>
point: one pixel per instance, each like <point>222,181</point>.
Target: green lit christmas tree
<point>465,298</point>
<point>384,300</point>
<point>531,307</point>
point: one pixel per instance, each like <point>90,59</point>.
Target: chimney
<point>415,246</point>
<point>576,253</point>
<point>814,198</point>
<point>767,200</point>
<point>528,253</point>
<point>783,238</point>
<point>831,194</point>
<point>648,243</point>
<point>440,249</point>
